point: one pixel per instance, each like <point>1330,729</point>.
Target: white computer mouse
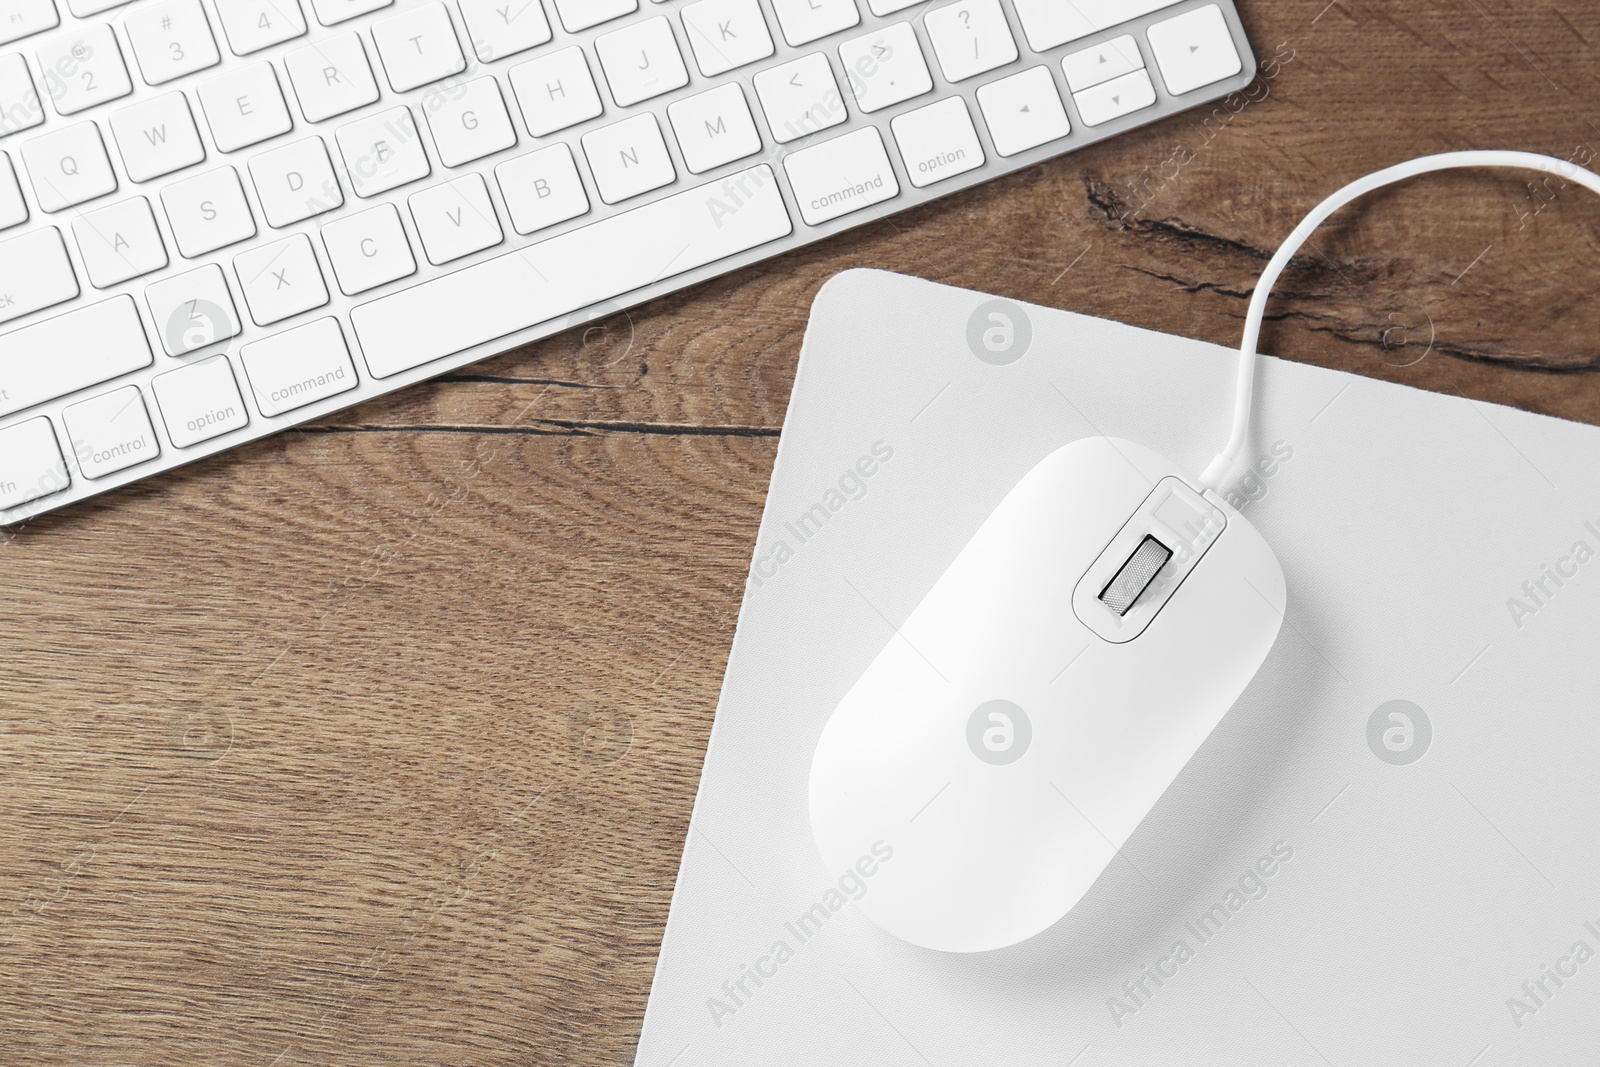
<point>1048,689</point>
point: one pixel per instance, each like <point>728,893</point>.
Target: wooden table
<point>376,742</point>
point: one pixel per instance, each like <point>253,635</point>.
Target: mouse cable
<point>1222,465</point>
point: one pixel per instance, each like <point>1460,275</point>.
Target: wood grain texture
<point>376,742</point>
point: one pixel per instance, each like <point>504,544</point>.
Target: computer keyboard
<point>221,218</point>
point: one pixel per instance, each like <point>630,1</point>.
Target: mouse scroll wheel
<point>1135,576</point>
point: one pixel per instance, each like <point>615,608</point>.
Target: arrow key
<point>1194,49</point>
<point>1101,63</point>
<point>1115,98</point>
<point>1023,111</point>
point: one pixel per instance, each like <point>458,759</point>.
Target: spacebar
<point>570,271</point>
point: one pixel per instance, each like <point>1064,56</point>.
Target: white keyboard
<point>220,218</point>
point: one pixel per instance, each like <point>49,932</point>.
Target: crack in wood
<point>1106,202</point>
<point>1465,353</point>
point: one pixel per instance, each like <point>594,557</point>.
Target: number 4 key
<point>251,25</point>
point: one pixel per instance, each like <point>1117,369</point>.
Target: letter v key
<point>455,219</point>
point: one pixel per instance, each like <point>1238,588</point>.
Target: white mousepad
<point>1385,854</point>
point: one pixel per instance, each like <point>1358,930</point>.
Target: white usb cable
<point>1219,469</point>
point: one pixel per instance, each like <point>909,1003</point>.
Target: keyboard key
<point>1023,111</point>
<point>555,91</point>
<point>68,167</point>
<point>382,151</point>
<point>455,219</point>
<point>31,465</point>
<point>157,136</point>
<point>208,212</point>
<point>171,39</point>
<point>295,182</point>
<point>418,46</point>
<point>840,176</point>
<point>1049,23</point>
<point>1194,49</point>
<point>889,7</point>
<point>192,310</point>
<point>368,249</point>
<point>800,97</point>
<point>83,68</point>
<point>280,279</point>
<point>199,401</point>
<point>581,14</point>
<point>542,188</point>
<point>331,77</point>
<point>35,273</point>
<point>1115,98</point>
<point>244,106</point>
<point>726,34</point>
<point>73,351</point>
<point>251,25</point>
<point>641,61</point>
<point>571,270</point>
<point>628,158</point>
<point>804,21</point>
<point>970,38</point>
<point>13,209</point>
<point>20,108</point>
<point>1102,62</point>
<point>937,141</point>
<point>469,122</point>
<point>119,242</point>
<point>888,67</point>
<point>84,8</point>
<point>22,18</point>
<point>111,432</point>
<point>333,12</point>
<point>714,128</point>
<point>500,28</point>
<point>299,367</point>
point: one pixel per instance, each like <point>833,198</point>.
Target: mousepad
<point>1385,854</point>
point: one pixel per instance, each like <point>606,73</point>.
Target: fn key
<point>30,463</point>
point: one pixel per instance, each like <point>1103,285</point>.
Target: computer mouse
<point>1022,722</point>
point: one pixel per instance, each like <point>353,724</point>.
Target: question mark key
<point>971,38</point>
